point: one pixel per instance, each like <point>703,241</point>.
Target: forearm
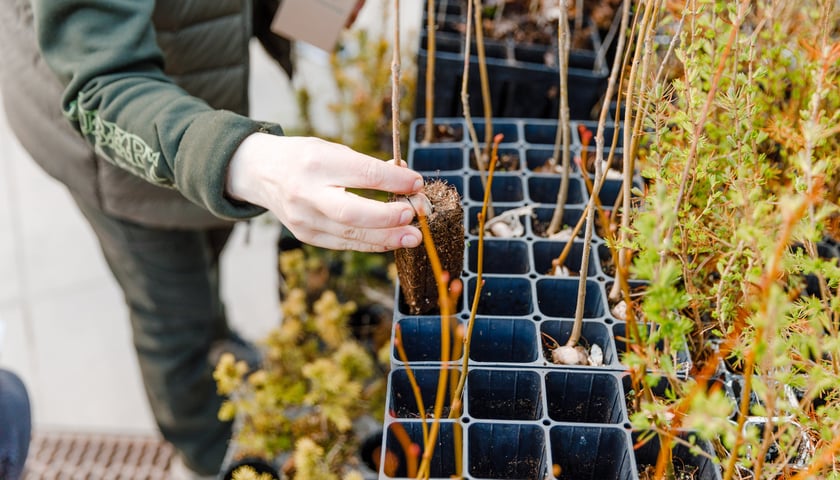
<point>118,97</point>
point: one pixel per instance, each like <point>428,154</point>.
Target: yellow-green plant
<point>248,473</point>
<point>315,382</point>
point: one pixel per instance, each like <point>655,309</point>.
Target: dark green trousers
<point>170,279</point>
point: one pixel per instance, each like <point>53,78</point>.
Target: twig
<point>412,380</point>
<point>409,447</point>
<point>561,259</point>
<point>599,180</point>
<point>577,328</point>
<point>483,76</point>
<point>620,62</point>
<point>563,129</point>
<point>586,135</point>
<point>479,282</point>
<point>445,319</point>
<point>395,87</point>
<point>601,53</point>
<point>465,102</point>
<point>627,164</point>
<point>455,403</point>
<point>431,49</point>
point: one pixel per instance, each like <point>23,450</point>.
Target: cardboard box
<point>317,22</point>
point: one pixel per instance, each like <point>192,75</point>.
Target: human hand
<point>303,181</point>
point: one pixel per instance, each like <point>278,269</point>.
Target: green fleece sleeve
<point>119,98</point>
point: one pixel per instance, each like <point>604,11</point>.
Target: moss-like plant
<point>248,473</point>
<point>315,382</point>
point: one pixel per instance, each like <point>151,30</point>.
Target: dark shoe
<point>15,425</point>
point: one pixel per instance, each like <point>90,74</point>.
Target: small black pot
<point>261,466</point>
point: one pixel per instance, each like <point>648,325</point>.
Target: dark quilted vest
<point>205,44</point>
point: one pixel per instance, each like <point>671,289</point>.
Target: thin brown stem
<point>412,380</point>
<point>665,458</point>
<point>590,188</point>
<point>479,281</point>
<point>561,259</point>
<point>465,103</point>
<point>409,448</point>
<point>618,62</point>
<point>563,135</point>
<point>456,405</point>
<point>577,328</point>
<point>395,87</point>
<point>627,164</point>
<point>445,344</point>
<point>430,70</point>
<point>483,76</point>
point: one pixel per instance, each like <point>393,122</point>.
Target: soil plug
<point>446,223</point>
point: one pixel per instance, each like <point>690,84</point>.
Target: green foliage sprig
<point>741,151</point>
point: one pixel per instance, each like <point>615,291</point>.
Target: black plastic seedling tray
<point>689,462</point>
<point>514,342</point>
<point>533,424</point>
<point>523,416</point>
<point>523,78</point>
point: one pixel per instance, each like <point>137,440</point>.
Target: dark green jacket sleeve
<point>118,97</point>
